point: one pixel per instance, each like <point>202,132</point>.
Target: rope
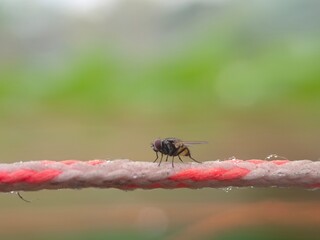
<point>129,175</point>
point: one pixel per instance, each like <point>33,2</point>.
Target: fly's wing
<point>189,143</point>
<point>180,143</point>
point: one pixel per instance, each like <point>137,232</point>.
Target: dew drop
<point>227,189</point>
<point>275,157</point>
<point>281,174</point>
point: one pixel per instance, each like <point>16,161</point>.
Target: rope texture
<point>129,175</point>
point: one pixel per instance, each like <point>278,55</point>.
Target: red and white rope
<point>129,175</point>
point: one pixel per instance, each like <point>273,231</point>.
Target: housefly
<point>173,147</point>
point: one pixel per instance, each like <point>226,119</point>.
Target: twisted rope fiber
<point>129,175</point>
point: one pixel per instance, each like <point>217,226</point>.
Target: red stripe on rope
<point>317,185</point>
<point>16,176</point>
<point>43,176</point>
<point>28,176</point>
<point>218,174</point>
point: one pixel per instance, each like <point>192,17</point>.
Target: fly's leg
<point>189,155</point>
<point>172,161</point>
<point>178,154</point>
<point>157,157</point>
<point>160,159</point>
<point>193,159</point>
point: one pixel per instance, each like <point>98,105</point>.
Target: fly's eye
<point>157,144</point>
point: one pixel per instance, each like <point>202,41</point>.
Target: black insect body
<point>172,147</point>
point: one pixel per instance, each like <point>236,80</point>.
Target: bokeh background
<point>102,79</point>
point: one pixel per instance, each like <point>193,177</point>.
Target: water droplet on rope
<point>275,157</point>
<point>226,189</point>
<point>134,176</point>
<point>232,158</point>
<point>281,174</point>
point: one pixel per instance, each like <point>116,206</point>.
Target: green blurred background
<point>102,79</point>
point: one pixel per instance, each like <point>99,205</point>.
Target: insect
<point>173,147</point>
